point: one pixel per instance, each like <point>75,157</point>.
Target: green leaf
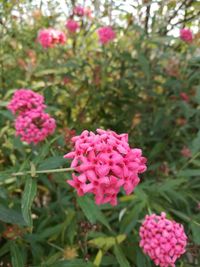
<point>189,172</point>
<point>27,199</point>
<point>196,143</point>
<point>120,257</point>
<point>11,216</point>
<point>92,211</point>
<point>195,233</point>
<point>73,263</point>
<point>98,258</point>
<point>181,215</point>
<point>4,249</point>
<point>52,162</point>
<point>141,259</point>
<point>106,243</point>
<point>144,63</point>
<point>16,255</point>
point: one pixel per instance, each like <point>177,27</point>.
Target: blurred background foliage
<point>134,84</point>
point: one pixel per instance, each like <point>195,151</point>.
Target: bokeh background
<point>146,83</point>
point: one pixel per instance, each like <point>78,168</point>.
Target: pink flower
<point>34,126</point>
<point>106,34</point>
<point>79,11</point>
<point>105,163</point>
<point>72,25</point>
<point>164,241</point>
<point>88,12</point>
<point>49,37</point>
<point>184,97</point>
<point>186,35</point>
<point>24,100</point>
<point>186,152</point>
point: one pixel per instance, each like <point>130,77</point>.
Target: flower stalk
<point>43,171</point>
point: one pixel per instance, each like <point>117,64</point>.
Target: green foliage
<point>131,85</point>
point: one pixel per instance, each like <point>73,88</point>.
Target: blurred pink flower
<point>49,37</point>
<point>105,162</point>
<point>106,34</point>
<point>186,152</point>
<point>88,12</point>
<point>186,35</point>
<point>164,241</point>
<point>34,126</point>
<point>79,11</point>
<point>184,97</point>
<point>72,25</point>
<point>24,100</point>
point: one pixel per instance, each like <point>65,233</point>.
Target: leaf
<point>92,211</point>
<point>195,233</point>
<point>144,63</point>
<point>141,259</point>
<point>189,172</point>
<point>50,231</point>
<point>73,263</point>
<point>52,162</point>
<point>16,255</point>
<point>181,215</point>
<point>27,199</point>
<point>106,243</point>
<point>130,219</point>
<point>196,143</point>
<point>98,258</point>
<point>4,249</point>
<point>11,216</point>
<point>120,257</point>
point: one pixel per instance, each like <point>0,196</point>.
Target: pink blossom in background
<point>24,100</point>
<point>79,11</point>
<point>106,34</point>
<point>163,240</point>
<point>186,152</point>
<point>184,97</point>
<point>186,35</point>
<point>88,12</point>
<point>72,25</point>
<point>104,163</point>
<point>34,126</point>
<point>49,37</point>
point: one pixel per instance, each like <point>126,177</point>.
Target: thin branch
<point>42,171</point>
<point>147,18</point>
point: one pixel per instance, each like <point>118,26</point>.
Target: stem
<point>189,161</point>
<point>43,171</point>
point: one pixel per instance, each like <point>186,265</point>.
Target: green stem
<point>43,171</point>
<point>189,161</point>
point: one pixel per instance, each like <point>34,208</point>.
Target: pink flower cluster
<point>50,37</point>
<point>32,123</point>
<point>185,97</point>
<point>106,34</point>
<point>25,100</point>
<point>163,240</point>
<point>105,162</point>
<point>72,25</point>
<point>186,35</point>
<point>79,11</point>
<point>34,126</point>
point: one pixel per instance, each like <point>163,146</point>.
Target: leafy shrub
<point>145,83</point>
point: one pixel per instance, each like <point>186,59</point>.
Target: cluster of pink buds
<point>81,11</point>
<point>186,35</point>
<point>32,124</point>
<point>106,34</point>
<point>25,100</point>
<point>72,25</point>
<point>162,239</point>
<point>104,163</point>
<point>50,37</point>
